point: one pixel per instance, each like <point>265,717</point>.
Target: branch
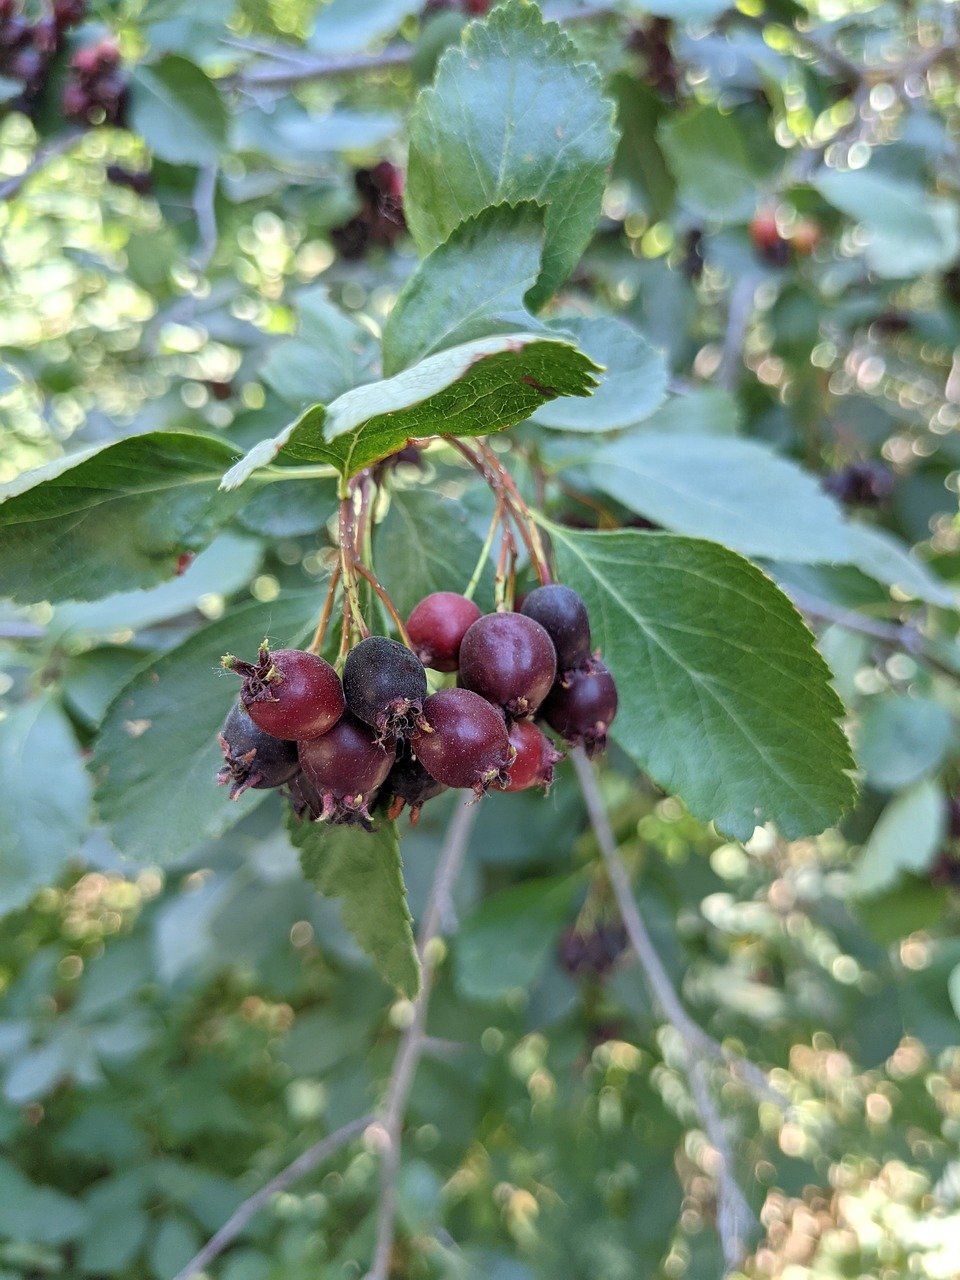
<point>304,1164</point>
<point>437,917</point>
<point>205,209</point>
<point>738,318</point>
<point>56,147</point>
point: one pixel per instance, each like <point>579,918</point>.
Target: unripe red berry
<point>385,686</point>
<point>536,755</point>
<point>252,758</point>
<point>289,693</point>
<point>436,628</point>
<point>582,705</point>
<point>509,659</point>
<point>467,745</point>
<point>346,766</point>
<point>563,615</point>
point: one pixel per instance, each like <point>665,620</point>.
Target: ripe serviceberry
<point>861,484</point>
<point>289,693</point>
<point>346,766</point>
<point>581,707</point>
<point>594,952</point>
<point>767,239</point>
<point>385,686</point>
<point>252,758</point>
<point>436,628</point>
<point>536,755</point>
<point>509,659</point>
<point>409,784</point>
<point>563,615</point>
<point>467,745</point>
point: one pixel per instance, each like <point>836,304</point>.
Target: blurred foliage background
<point>782,224</point>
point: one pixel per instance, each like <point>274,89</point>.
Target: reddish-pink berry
<point>436,628</point>
<point>289,693</point>
<point>508,659</point>
<point>467,745</point>
<point>536,755</point>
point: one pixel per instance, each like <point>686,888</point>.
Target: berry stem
<point>388,604</point>
<point>501,482</point>
<point>505,580</point>
<point>485,549</point>
<point>316,644</point>
<point>352,613</point>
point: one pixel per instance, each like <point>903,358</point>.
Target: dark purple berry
<point>346,766</point>
<point>140,181</point>
<point>953,817</point>
<point>508,659</point>
<point>385,686</point>
<point>409,784</point>
<point>467,743</point>
<point>252,758</point>
<point>563,615</point>
<point>582,705</point>
<point>594,952</point>
<point>289,693</point>
<point>861,484</point>
<point>535,758</point>
<point>436,628</point>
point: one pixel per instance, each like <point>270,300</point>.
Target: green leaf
<point>177,111</point>
<point>157,757</point>
<point>504,945</point>
<point>470,390</point>
<point>724,698</point>
<point>905,839</point>
<point>513,115</point>
<point>733,491</point>
<point>364,870</point>
<point>426,544</point>
<point>36,1215</point>
<point>708,156</point>
<point>114,518</point>
<point>901,739</point>
<point>882,556</point>
<point>44,800</point>
<point>174,1244</point>
<point>344,26</point>
<point>708,412</point>
<point>470,286</point>
<point>329,354</point>
<point>633,385</point>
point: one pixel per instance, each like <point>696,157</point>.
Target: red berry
<point>563,615</point>
<point>346,766</point>
<point>467,745</point>
<point>253,758</point>
<point>436,628</point>
<point>509,659</point>
<point>385,686</point>
<point>582,705</point>
<point>289,693</point>
<point>535,758</point>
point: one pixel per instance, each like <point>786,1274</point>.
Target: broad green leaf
<point>364,870</point>
<point>513,115</point>
<point>470,390</point>
<point>733,491</point>
<point>504,945</point>
<point>44,800</point>
<point>31,1214</point>
<point>724,698</point>
<point>881,555</point>
<point>175,1243</point>
<point>633,385</point>
<point>344,26</point>
<point>177,110</point>
<point>426,544</point>
<point>329,354</point>
<point>902,738</point>
<point>706,412</point>
<point>93,679</point>
<point>909,231</point>
<point>114,518</point>
<point>289,508</point>
<point>157,756</point>
<point>470,286</point>
<point>707,154</point>
<point>907,835</point>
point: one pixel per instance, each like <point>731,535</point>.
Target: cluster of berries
<point>96,91</point>
<point>27,48</point>
<point>380,220</point>
<point>377,737</point>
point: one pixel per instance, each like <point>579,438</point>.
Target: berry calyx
<point>467,745</point>
<point>385,685</point>
<point>509,659</point>
<point>563,615</point>
<point>346,766</point>
<point>536,755</point>
<point>252,758</point>
<point>436,628</point>
<point>289,693</point>
<point>409,784</point>
<point>581,707</point>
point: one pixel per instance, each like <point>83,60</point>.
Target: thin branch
<point>55,147</point>
<point>205,208</point>
<point>739,310</point>
<point>413,1041</point>
<point>299,1168</point>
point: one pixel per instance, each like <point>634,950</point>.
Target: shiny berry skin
<point>510,660</point>
<point>409,784</point>
<point>252,758</point>
<point>563,615</point>
<point>289,693</point>
<point>467,745</point>
<point>582,705</point>
<point>346,766</point>
<point>535,758</point>
<point>385,686</point>
<point>436,628</point>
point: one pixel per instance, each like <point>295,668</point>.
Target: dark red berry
<point>467,745</point>
<point>409,784</point>
<point>563,615</point>
<point>289,693</point>
<point>346,766</point>
<point>253,759</point>
<point>436,628</point>
<point>582,705</point>
<point>535,758</point>
<point>68,13</point>
<point>594,952</point>
<point>385,686</point>
<point>509,659</point>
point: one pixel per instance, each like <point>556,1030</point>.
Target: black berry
<point>252,758</point>
<point>346,766</point>
<point>436,628</point>
<point>385,686</point>
<point>536,755</point>
<point>409,784</point>
<point>509,659</point>
<point>582,705</point>
<point>289,693</point>
<point>563,615</point>
<point>467,745</point>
